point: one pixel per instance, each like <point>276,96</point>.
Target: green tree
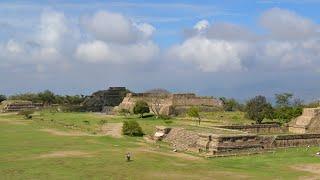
<point>132,128</point>
<point>231,104</point>
<point>194,113</point>
<point>283,99</point>
<point>141,107</point>
<point>2,98</point>
<point>258,109</point>
<point>47,97</point>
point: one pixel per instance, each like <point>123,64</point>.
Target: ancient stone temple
<point>105,99</point>
<point>308,122</point>
<point>171,104</point>
<point>15,105</point>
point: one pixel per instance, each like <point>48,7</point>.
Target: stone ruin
<point>105,100</point>
<point>308,122</point>
<point>15,105</point>
<point>171,104</point>
<point>248,138</point>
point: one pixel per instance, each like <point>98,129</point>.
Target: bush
<point>141,107</point>
<point>2,98</point>
<point>258,109</point>
<point>103,121</point>
<point>164,117</point>
<point>27,114</point>
<point>286,114</point>
<point>131,128</point>
<point>124,112</point>
<point>72,108</point>
<point>194,113</point>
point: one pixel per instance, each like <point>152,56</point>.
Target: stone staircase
<point>308,122</point>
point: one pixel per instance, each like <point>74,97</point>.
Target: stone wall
<point>14,106</point>
<point>111,97</point>
<point>217,144</point>
<point>308,122</point>
<point>258,128</point>
<point>171,104</point>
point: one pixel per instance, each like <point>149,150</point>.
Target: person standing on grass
<point>128,157</point>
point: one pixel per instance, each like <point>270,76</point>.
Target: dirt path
<point>311,168</point>
<point>112,129</point>
<point>64,133</point>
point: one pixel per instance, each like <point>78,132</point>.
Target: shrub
<point>131,128</point>
<point>258,109</point>
<point>141,107</point>
<point>27,114</point>
<point>285,114</point>
<point>72,108</point>
<point>103,121</point>
<point>2,98</point>
<point>164,117</point>
<point>194,113</point>
<point>124,112</point>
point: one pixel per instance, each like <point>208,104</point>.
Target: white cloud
<point>201,25</point>
<point>99,51</point>
<point>116,28</point>
<point>290,42</point>
<point>116,40</point>
<point>53,28</point>
<point>285,24</point>
<point>211,55</point>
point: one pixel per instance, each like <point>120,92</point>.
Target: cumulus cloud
<point>290,42</point>
<point>285,24</point>
<point>211,55</point>
<point>116,39</point>
<point>116,28</point>
<point>100,51</point>
<point>47,40</point>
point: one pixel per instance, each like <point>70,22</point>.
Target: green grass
<point>23,144</point>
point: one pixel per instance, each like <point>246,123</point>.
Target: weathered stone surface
<point>308,122</point>
<point>105,98</point>
<point>171,104</point>
<point>258,128</point>
<point>17,105</point>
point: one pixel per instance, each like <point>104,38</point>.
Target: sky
<point>225,48</point>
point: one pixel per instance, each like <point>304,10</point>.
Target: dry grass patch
<point>62,154</point>
<point>311,168</point>
<point>64,133</point>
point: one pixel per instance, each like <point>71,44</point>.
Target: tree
<point>230,104</point>
<point>132,128</point>
<point>283,99</point>
<point>47,97</point>
<point>157,97</point>
<point>2,98</point>
<point>258,109</point>
<point>141,107</point>
<point>194,113</point>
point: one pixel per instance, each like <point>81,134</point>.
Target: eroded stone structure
<point>308,122</point>
<point>249,138</point>
<point>105,100</point>
<point>14,106</point>
<point>171,104</point>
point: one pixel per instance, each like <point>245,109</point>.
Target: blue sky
<point>222,48</point>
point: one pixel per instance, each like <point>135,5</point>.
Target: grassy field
<point>28,152</point>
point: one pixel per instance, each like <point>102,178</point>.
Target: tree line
<point>46,97</point>
<point>286,107</point>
